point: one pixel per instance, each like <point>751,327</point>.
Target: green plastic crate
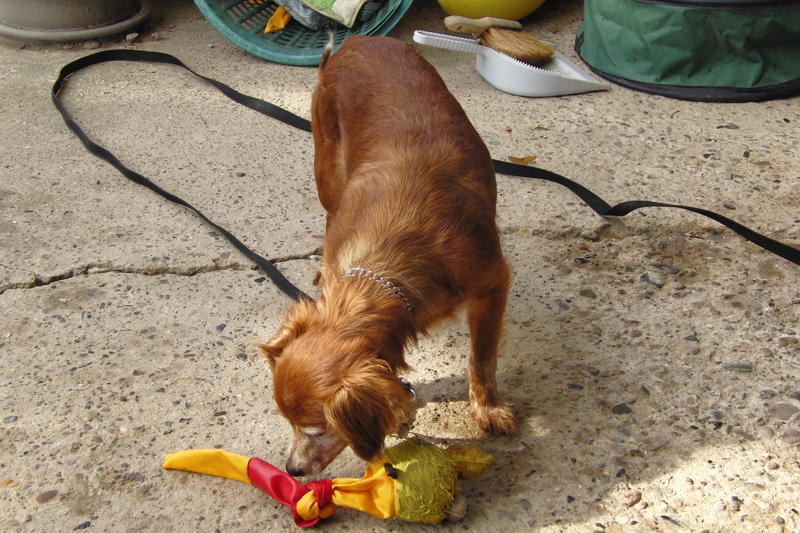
<point>242,22</point>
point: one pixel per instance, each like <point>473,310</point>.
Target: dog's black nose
<point>296,472</point>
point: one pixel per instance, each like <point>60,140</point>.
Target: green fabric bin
<point>720,51</point>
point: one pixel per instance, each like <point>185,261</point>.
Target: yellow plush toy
<point>416,484</point>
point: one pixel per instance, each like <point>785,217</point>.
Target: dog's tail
<point>328,49</point>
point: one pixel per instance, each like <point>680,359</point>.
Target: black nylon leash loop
<point>597,204</point>
<point>259,105</point>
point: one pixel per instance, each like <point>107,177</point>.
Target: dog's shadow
<point>585,436</point>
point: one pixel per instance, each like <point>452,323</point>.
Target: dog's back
<point>402,172</point>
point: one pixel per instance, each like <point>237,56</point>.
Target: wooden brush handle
<point>475,26</point>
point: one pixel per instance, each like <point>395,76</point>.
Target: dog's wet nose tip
<point>296,472</point>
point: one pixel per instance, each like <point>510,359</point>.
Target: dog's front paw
<point>495,419</point>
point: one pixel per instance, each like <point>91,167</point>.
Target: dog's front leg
<point>485,315</point>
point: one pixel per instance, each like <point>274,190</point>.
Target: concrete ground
<point>652,361</point>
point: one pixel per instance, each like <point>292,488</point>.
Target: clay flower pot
<point>69,20</point>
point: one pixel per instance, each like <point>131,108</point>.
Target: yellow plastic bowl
<point>504,9</point>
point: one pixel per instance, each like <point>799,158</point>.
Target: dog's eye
<point>313,431</point>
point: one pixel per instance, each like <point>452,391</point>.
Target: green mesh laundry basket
<point>242,22</point>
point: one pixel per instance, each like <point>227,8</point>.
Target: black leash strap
<point>600,206</point>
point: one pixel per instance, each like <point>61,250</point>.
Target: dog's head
<point>334,390</point>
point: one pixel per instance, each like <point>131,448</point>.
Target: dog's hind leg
<point>328,167</point>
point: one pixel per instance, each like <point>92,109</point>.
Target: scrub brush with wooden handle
<point>504,36</point>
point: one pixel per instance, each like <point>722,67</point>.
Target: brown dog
<point>409,189</point>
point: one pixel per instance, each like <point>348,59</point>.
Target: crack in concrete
<point>153,270</point>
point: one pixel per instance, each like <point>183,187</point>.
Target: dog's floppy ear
<point>366,406</point>
<point>292,327</point>
<point>273,347</point>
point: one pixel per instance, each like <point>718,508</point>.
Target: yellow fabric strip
<point>374,494</point>
<point>212,462</point>
<point>308,507</point>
